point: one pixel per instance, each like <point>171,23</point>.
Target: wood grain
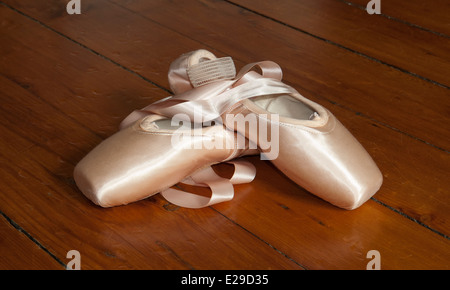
<point>18,252</point>
<point>67,81</point>
<point>409,198</point>
<point>345,78</point>
<point>397,44</point>
<point>432,16</point>
<point>39,193</point>
<point>320,236</point>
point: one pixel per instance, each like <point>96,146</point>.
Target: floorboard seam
<point>168,91</point>
<point>275,20</point>
<point>342,46</point>
<point>381,123</point>
<point>260,239</point>
<point>397,20</point>
<point>29,236</point>
<point>411,218</point>
<point>53,107</point>
<point>84,46</point>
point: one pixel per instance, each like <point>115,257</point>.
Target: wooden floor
<point>66,82</point>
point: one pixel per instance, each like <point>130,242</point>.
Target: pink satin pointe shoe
<point>300,137</point>
<point>314,150</point>
<point>150,153</point>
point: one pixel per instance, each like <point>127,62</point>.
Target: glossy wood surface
<point>66,82</point>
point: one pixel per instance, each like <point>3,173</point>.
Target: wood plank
<point>320,236</point>
<point>407,184</point>
<point>18,252</point>
<point>211,31</point>
<point>50,207</point>
<point>37,158</point>
<point>401,45</point>
<point>430,240</point>
<point>408,201</point>
<point>277,207</point>
<point>360,84</point>
<point>373,89</point>
<point>430,15</point>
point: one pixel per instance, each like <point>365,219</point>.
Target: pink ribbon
<point>212,100</point>
<point>221,188</point>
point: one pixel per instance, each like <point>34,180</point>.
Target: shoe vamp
<point>131,165</point>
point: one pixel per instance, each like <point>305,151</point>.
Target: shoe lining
<point>166,124</point>
<point>285,106</point>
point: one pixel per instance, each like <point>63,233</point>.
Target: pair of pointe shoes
<point>217,116</point>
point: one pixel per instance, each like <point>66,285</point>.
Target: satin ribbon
<point>221,188</point>
<point>212,100</point>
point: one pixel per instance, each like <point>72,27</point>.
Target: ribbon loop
<point>210,101</point>
<point>221,188</point>
<point>207,102</point>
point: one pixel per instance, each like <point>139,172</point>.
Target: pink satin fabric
<point>187,103</point>
<point>221,188</point>
<point>212,100</point>
<point>315,150</point>
<point>319,155</point>
<point>209,102</point>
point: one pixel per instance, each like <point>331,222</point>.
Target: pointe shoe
<point>314,149</point>
<point>149,155</point>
